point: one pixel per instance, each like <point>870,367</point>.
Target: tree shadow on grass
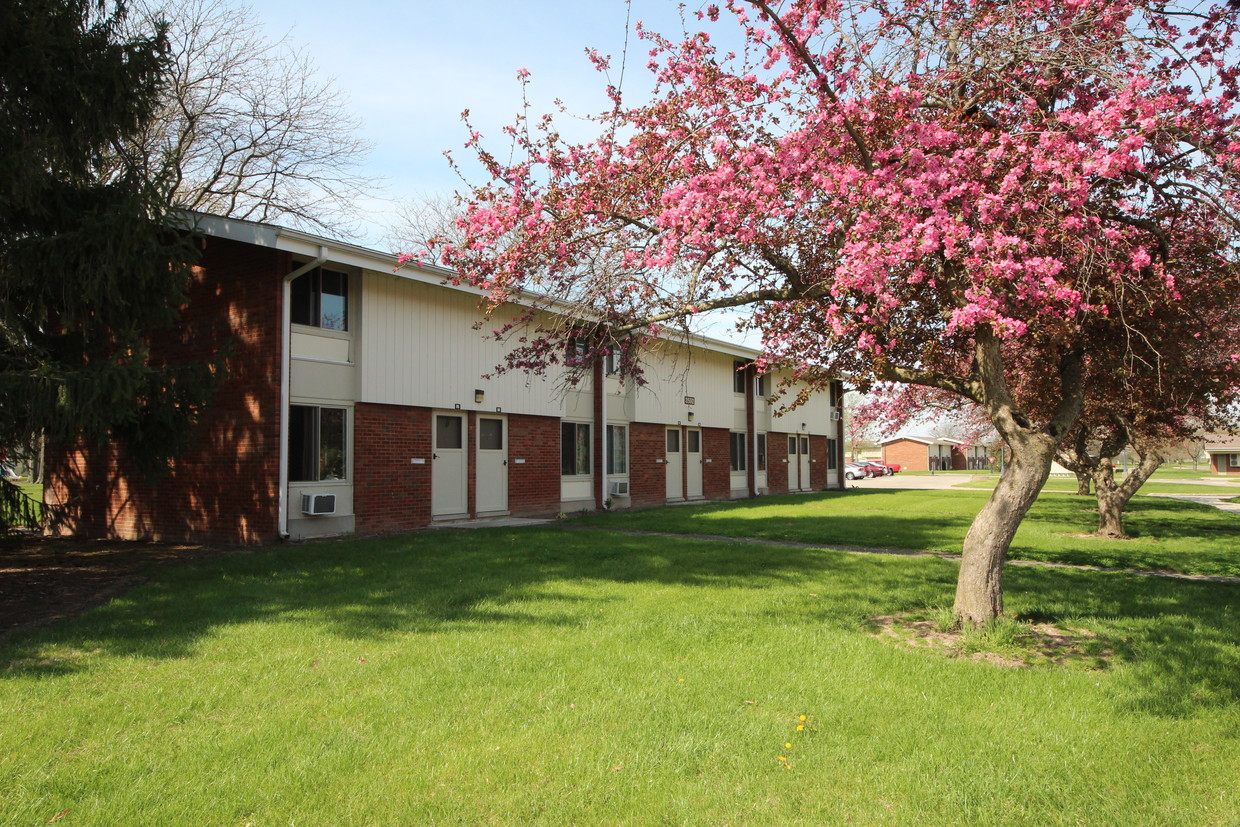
<point>1181,640</point>
<point>1164,534</point>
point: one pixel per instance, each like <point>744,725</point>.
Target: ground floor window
<point>1233,460</point>
<point>738,451</point>
<point>574,448</point>
<point>832,459</point>
<point>317,448</point>
<point>617,449</point>
<point>761,452</point>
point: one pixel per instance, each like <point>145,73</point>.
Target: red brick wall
<point>716,474</point>
<point>389,492</point>
<point>909,455</point>
<point>776,462</point>
<point>647,476</point>
<point>818,462</point>
<point>1221,464</point>
<point>225,488</point>
<point>534,485</point>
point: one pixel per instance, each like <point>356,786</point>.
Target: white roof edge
<point>924,440</point>
<point>307,244</point>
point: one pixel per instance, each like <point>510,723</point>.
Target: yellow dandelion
<point>787,766</point>
<point>782,758</point>
<point>788,745</point>
<point>800,727</point>
<point>802,718</point>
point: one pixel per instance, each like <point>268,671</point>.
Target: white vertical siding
<point>421,348</point>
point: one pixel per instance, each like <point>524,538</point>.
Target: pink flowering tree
<point>947,193</point>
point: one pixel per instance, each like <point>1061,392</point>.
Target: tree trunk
<point>979,590</point>
<point>1112,497</point>
<point>1082,483</point>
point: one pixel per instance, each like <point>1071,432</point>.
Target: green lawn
<point>576,677</point>
<point>1166,534</point>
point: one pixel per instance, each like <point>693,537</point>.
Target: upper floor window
<point>576,352</point>
<point>738,376</point>
<point>320,298</point>
<point>759,385</point>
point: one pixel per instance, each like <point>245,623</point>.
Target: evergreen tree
<point>89,267</point>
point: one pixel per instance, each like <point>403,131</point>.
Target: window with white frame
<point>832,459</point>
<point>759,385</point>
<point>737,442</point>
<point>574,449</point>
<point>576,352</point>
<point>1234,460</point>
<point>738,376</point>
<point>317,444</point>
<point>617,449</point>
<point>320,298</point>
<point>761,460</point>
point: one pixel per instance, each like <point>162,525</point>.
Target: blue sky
<point>409,69</point>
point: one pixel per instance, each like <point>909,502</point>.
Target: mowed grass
<point>1165,534</point>
<point>544,676</point>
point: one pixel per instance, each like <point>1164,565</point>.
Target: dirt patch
<point>1013,643</point>
<point>45,579</point>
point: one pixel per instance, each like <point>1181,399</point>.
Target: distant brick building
<point>1224,453</point>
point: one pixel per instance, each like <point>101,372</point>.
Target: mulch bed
<point>45,579</point>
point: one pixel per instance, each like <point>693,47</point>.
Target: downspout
<point>286,341</point>
<point>839,434</point>
<point>600,431</point>
<point>751,435</point>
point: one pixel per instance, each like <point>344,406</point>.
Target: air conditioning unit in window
<point>836,415</point>
<point>620,489</point>
<point>318,504</point>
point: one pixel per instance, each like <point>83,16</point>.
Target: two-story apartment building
<point>362,398</point>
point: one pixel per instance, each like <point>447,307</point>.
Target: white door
<point>449,481</point>
<point>794,466</point>
<point>492,486</point>
<point>675,468</point>
<point>804,463</point>
<point>693,466</point>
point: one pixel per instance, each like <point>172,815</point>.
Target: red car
<point>880,469</point>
